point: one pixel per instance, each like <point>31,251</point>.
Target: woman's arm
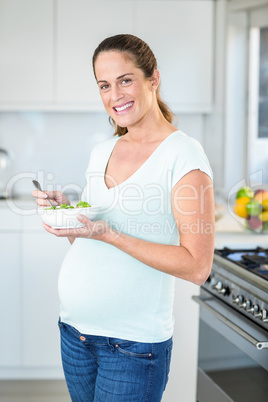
<point>193,208</point>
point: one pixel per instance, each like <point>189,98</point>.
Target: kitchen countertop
<point>229,228</point>
<point>230,231</point>
<point>24,203</point>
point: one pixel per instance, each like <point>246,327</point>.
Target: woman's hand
<point>92,230</point>
<point>56,198</point>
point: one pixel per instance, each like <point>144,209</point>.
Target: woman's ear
<point>155,79</point>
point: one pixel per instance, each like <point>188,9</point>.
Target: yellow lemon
<point>240,207</point>
<point>264,216</point>
<point>243,200</point>
<point>265,204</point>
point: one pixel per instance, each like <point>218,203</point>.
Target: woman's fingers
<point>55,197</point>
<point>58,197</point>
<point>95,229</point>
<point>39,194</point>
<point>54,194</point>
<point>44,202</point>
<point>41,198</point>
<point>79,232</point>
<point>91,229</point>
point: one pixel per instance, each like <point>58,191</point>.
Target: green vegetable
<point>52,207</point>
<point>81,204</point>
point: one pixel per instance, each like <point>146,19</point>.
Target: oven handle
<point>253,341</point>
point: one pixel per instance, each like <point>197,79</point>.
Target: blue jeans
<point>101,369</point>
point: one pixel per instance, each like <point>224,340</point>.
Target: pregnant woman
<point>116,283</point>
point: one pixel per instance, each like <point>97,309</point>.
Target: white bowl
<point>67,218</point>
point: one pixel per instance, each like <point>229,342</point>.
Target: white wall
<point>56,146</point>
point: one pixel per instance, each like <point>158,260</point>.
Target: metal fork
<point>37,185</point>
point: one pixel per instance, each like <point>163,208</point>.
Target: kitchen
<point>48,94</point>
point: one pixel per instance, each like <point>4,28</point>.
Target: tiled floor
<point>33,391</point>
<point>254,389</point>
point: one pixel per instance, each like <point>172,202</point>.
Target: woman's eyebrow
<point>118,78</point>
<point>122,76</point>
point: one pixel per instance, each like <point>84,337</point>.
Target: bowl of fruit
<point>64,216</point>
<point>252,206</point>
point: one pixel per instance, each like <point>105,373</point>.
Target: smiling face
<point>127,95</point>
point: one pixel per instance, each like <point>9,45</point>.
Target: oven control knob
<point>218,285</point>
<point>224,291</point>
<point>213,282</point>
<point>256,311</point>
<point>220,288</point>
<point>264,315</point>
<point>250,308</point>
<point>239,300</point>
<point>246,305</point>
<point>261,314</point>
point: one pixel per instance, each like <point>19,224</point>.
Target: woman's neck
<point>154,127</point>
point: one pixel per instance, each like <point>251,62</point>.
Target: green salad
<point>81,204</point>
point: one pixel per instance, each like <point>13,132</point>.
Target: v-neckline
<point>139,168</point>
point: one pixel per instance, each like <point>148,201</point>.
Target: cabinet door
<point>81,26</point>
<point>180,34</point>
<point>41,261</point>
<point>26,51</point>
<point>10,301</point>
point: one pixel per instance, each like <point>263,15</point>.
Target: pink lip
<point>123,104</point>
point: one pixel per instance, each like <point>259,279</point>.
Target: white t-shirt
<point>103,290</point>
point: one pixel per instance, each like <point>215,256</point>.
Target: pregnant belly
<point>103,284</point>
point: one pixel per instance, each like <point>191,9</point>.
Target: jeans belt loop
<point>112,347</point>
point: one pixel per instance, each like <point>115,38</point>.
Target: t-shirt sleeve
<point>191,156</point>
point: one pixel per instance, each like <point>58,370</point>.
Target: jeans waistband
<point>93,339</point>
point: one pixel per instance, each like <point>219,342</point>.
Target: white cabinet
<point>46,49</point>
<point>29,305</point>
<point>81,26</point>
<point>183,370</point>
<point>41,261</point>
<point>26,52</point>
<point>10,297</point>
<point>182,41</point>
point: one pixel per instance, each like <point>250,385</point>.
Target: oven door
<point>233,354</point>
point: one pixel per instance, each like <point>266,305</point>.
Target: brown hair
<point>144,59</point>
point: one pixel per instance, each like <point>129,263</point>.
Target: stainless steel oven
<point>233,331</point>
